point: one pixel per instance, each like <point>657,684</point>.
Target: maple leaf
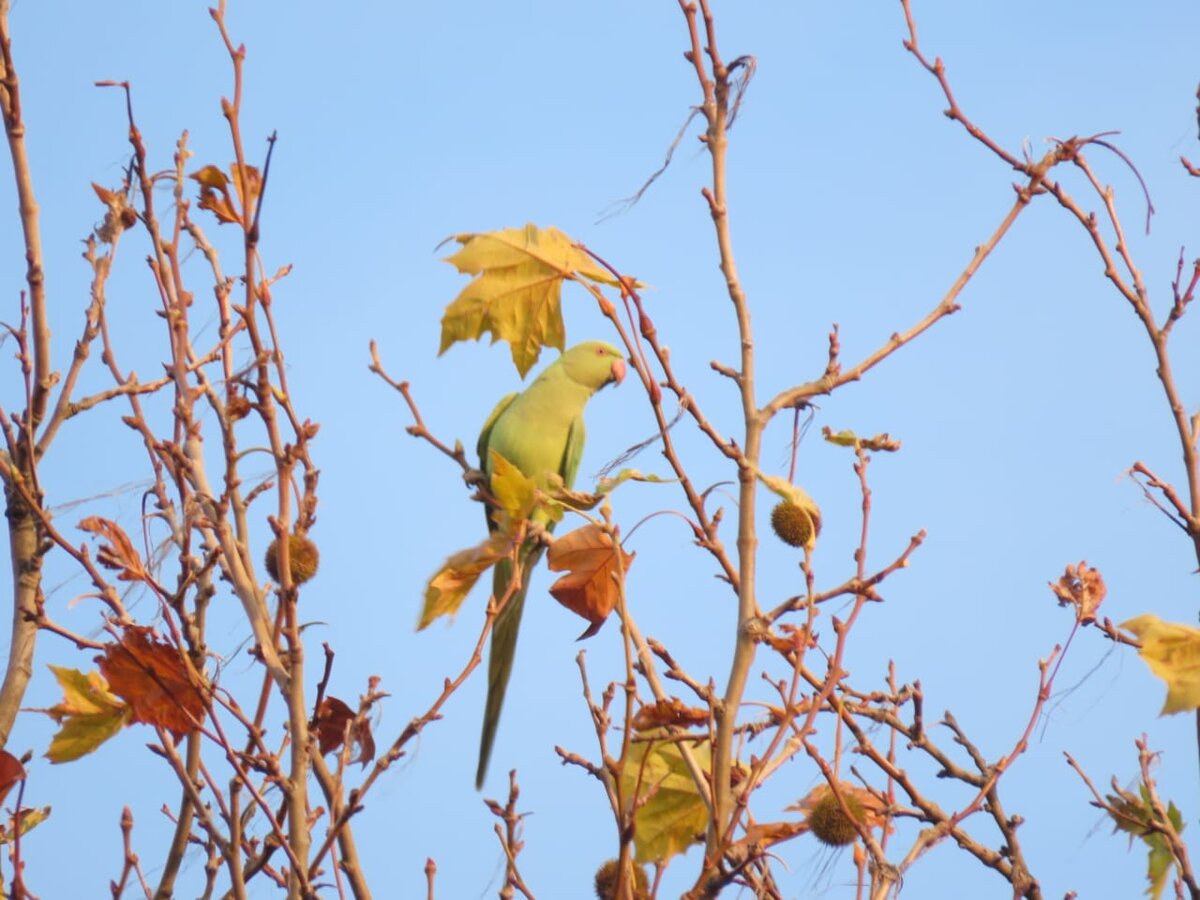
<point>670,813</point>
<point>118,553</point>
<point>158,682</point>
<point>89,714</point>
<point>449,586</point>
<point>591,587</point>
<point>516,294</point>
<point>1173,654</point>
<point>331,723</point>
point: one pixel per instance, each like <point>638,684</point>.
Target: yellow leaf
<point>89,714</point>
<point>516,494</point>
<point>23,822</point>
<point>449,587</point>
<point>674,816</point>
<point>516,293</point>
<point>1172,652</point>
<point>210,177</point>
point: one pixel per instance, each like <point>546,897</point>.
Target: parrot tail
<point>500,662</point>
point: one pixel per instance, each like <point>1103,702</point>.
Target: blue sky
<point>853,200</point>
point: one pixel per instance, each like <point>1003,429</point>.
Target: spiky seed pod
<point>792,524</point>
<point>830,825</point>
<point>303,558</point>
<point>606,881</point>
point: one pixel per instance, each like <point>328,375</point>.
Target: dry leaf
<point>215,196</point>
<point>1082,588</point>
<point>591,588</point>
<point>118,554</point>
<point>11,771</point>
<point>157,681</point>
<point>449,586</point>
<point>671,711</point>
<point>332,719</point>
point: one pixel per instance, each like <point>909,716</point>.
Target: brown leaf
<point>118,554</point>
<point>11,771</point>
<point>672,711</point>
<point>332,719</point>
<point>158,682</point>
<point>590,589</point>
<point>1083,588</point>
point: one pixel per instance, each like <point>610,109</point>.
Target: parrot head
<point>594,364</point>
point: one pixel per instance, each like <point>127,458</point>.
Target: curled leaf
<point>668,711</point>
<point>11,771</point>
<point>333,719</point>
<point>1082,588</point>
<point>118,553</point>
<point>846,438</point>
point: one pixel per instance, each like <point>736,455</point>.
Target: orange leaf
<point>1083,588</point>
<point>253,185</point>
<point>668,712</point>
<point>118,554</point>
<point>107,197</point>
<point>11,771</point>
<point>158,682</point>
<point>591,588</point>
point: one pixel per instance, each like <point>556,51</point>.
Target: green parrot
<point>540,431</point>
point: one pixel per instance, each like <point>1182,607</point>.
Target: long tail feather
<point>500,658</point>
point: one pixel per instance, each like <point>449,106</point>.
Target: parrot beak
<point>618,372</point>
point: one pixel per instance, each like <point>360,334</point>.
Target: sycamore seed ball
<point>303,558</point>
<point>606,882</point>
<point>792,524</point>
<point>830,825</point>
